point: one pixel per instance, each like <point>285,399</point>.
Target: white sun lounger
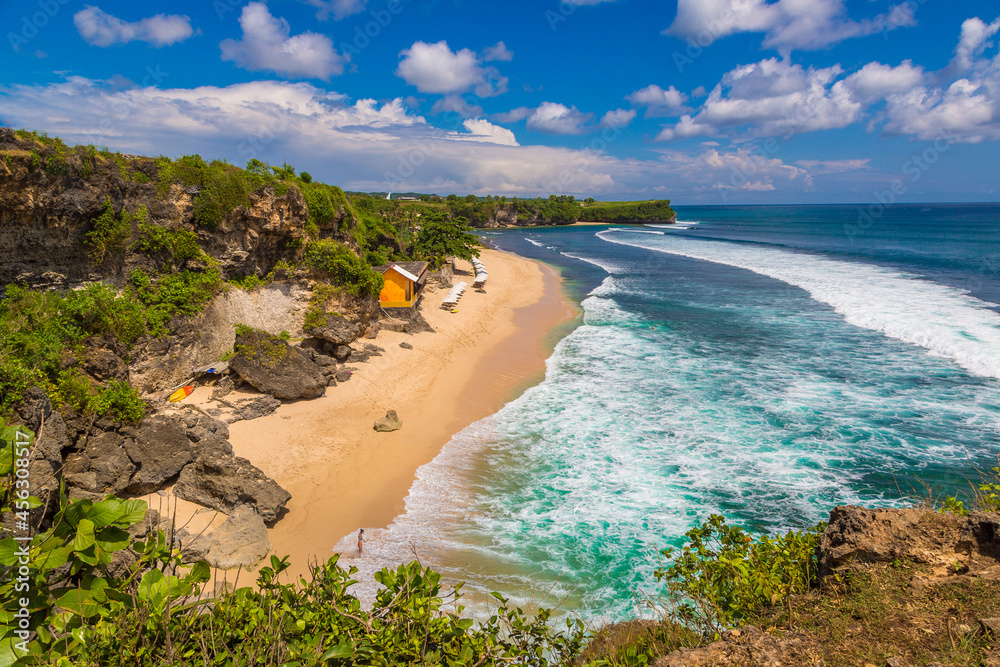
<point>451,299</point>
<point>481,274</point>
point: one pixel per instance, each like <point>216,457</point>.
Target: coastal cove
<point>343,475</point>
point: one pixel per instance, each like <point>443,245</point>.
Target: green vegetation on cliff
<point>553,210</point>
<point>338,263</point>
<point>42,343</point>
<point>628,211</point>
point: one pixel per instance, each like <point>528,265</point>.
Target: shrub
<point>120,401</point>
<point>722,577</point>
<point>223,188</point>
<point>182,293</point>
<point>109,232</point>
<point>376,258</point>
<point>35,331</point>
<point>259,346</point>
<point>320,200</point>
<point>40,330</point>
<point>100,310</point>
<point>343,267</point>
<point>73,388</point>
<point>985,496</point>
<point>248,283</point>
<point>180,244</point>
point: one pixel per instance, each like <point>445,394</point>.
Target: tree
<point>440,237</point>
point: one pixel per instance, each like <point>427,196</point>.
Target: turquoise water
<point>761,363</point>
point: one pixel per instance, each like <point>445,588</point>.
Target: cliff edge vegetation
<point>501,211</point>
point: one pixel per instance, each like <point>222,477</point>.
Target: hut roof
<point>412,270</point>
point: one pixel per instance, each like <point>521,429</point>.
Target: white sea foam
<point>610,267</point>
<point>680,224</point>
<point>942,319</point>
<point>534,242</point>
<point>636,435</point>
<point>633,230</point>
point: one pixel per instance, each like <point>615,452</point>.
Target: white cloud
<point>267,44</point>
<point>99,28</point>
<point>484,131</point>
<point>338,8</point>
<point>787,24</point>
<point>554,118</point>
<point>973,40</point>
<point>875,81</point>
<point>658,102</point>
<point>457,104</point>
<point>514,115</point>
<point>962,109</point>
<point>771,98</point>
<point>378,146</point>
<point>435,68</point>
<point>822,167</point>
<point>776,97</point>
<point>742,170</point>
<point>618,118</point>
<point>498,51</point>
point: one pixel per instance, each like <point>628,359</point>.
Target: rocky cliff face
<point>506,215</point>
<point>48,201</point>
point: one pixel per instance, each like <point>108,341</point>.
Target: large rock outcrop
<point>160,450</point>
<point>334,328</point>
<point>274,367</point>
<point>102,467</point>
<point>225,482</point>
<point>861,535</point>
<point>98,457</point>
<point>239,542</point>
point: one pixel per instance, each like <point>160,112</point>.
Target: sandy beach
<point>341,473</point>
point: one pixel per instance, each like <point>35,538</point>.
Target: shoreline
<point>341,473</point>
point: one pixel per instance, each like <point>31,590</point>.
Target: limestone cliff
<point>49,198</point>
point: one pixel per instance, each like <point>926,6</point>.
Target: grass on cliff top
<point>868,616</point>
<point>872,614</point>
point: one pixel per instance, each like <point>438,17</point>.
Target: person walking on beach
<point>361,540</point>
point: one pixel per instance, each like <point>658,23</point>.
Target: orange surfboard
<point>181,393</point>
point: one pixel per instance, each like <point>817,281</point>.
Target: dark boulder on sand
<point>223,482</point>
<point>274,367</point>
<point>334,328</point>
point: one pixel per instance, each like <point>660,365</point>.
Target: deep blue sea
<point>764,363</point>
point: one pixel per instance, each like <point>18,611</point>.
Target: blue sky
<point>698,101</point>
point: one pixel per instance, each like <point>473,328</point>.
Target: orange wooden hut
<point>403,283</point>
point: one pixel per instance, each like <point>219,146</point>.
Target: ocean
<point>763,363</point>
